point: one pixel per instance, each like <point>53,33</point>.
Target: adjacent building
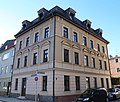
<point>6,66</point>
<point>59,56</point>
<point>115,69</point>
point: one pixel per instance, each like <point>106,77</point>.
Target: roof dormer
<point>70,12</point>
<point>42,12</point>
<point>87,23</point>
<point>26,23</point>
<point>99,31</point>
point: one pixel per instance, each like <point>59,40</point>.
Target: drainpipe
<point>54,59</point>
<point>109,67</point>
<point>12,70</point>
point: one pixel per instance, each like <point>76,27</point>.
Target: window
<point>91,44</point>
<point>46,32</point>
<point>107,82</point>
<point>76,58</point>
<point>98,47</point>
<point>103,49</point>
<point>6,69</point>
<point>85,60</point>
<point>2,70</point>
<point>105,65</point>
<point>20,45</point>
<point>6,47</point>
<point>66,55</point>
<point>65,32</point>
<point>45,56</point>
<point>87,82</point>
<point>66,83</point>
<point>95,82</point>
<point>75,38</point>
<point>116,60</point>
<point>100,64</point>
<point>44,86</point>
<point>35,58</point>
<point>16,83</point>
<point>102,82</point>
<point>93,62</point>
<point>84,41</point>
<point>10,69</point>
<point>25,61</point>
<point>27,41</point>
<point>118,69</point>
<point>36,37</point>
<point>6,56</point>
<point>77,80</point>
<point>4,85</point>
<point>18,63</point>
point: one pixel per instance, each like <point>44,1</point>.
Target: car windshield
<point>111,90</point>
<point>88,92</point>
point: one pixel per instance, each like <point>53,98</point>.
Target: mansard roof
<point>7,45</point>
<point>68,15</point>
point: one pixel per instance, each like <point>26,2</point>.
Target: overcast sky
<point>104,14</point>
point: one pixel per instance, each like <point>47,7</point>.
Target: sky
<point>104,14</point>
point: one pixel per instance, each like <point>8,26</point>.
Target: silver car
<point>113,93</point>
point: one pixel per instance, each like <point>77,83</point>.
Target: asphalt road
<point>118,100</point>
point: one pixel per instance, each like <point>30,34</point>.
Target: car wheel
<point>114,97</point>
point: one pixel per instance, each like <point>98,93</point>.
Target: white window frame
<point>86,40</point>
<point>38,37</point>
<point>63,31</point>
<point>77,35</point>
<point>44,31</point>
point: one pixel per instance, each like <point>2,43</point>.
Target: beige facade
<point>115,69</point>
<point>62,76</point>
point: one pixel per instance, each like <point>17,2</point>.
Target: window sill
<point>66,90</point>
<point>44,90</point>
<point>78,91</point>
<point>66,62</point>
<point>45,62</point>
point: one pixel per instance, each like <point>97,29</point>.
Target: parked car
<point>118,86</point>
<point>113,93</point>
<point>93,95</point>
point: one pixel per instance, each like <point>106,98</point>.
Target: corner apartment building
<point>6,66</point>
<point>115,69</point>
<point>70,54</point>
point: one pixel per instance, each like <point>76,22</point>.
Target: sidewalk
<point>9,99</point>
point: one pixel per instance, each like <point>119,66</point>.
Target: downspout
<point>109,67</point>
<point>54,18</point>
<point>12,69</point>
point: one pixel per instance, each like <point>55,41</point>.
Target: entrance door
<point>8,88</point>
<point>23,91</point>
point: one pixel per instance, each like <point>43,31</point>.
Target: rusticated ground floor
<point>67,84</point>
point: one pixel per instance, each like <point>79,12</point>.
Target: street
<point>118,100</point>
